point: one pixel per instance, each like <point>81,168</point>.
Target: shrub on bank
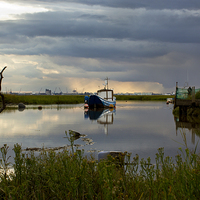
<point>68,175</point>
<point>197,95</point>
<point>176,112</point>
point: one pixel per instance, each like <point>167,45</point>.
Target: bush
<point>176,112</point>
<point>197,96</point>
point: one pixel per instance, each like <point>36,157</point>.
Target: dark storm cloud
<point>99,36</point>
<point>138,40</point>
<point>88,48</point>
<point>150,4</point>
<point>159,26</point>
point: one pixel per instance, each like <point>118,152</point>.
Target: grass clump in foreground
<point>70,175</point>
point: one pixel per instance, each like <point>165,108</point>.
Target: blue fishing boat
<point>103,99</point>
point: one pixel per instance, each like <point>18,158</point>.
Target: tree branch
<point>1,76</point>
<point>2,96</point>
<point>3,102</point>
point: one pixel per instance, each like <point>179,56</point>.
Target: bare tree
<point>2,96</point>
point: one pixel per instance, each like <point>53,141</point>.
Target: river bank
<point>73,99</point>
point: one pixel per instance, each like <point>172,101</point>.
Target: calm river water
<point>136,127</point>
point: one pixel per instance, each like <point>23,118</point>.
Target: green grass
<point>44,99</point>
<point>144,97</point>
<point>197,95</point>
<point>70,175</point>
<point>176,112</point>
<point>72,99</point>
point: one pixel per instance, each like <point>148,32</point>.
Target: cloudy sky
<point>140,45</point>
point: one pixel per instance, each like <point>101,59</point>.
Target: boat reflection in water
<point>102,116</point>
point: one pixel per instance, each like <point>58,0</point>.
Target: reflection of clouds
<point>147,117</point>
<point>141,107</point>
<point>134,130</point>
<point>29,122</point>
<point>49,118</point>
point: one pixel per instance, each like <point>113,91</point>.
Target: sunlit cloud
<point>48,71</point>
<point>92,85</point>
<point>11,11</point>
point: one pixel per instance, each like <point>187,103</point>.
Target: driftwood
<point>2,96</point>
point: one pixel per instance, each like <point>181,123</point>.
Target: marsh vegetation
<point>72,99</point>
<point>71,175</point>
<point>144,97</point>
<point>44,99</point>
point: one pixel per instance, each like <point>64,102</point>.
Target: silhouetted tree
<point>2,96</point>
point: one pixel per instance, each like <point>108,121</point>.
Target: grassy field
<point>72,99</point>
<point>44,99</point>
<point>144,97</point>
<point>70,175</point>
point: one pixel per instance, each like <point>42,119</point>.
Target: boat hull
<point>97,102</point>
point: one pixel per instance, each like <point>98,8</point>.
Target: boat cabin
<point>105,94</point>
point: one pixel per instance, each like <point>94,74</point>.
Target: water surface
<point>136,127</point>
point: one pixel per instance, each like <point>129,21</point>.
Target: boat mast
<point>106,83</point>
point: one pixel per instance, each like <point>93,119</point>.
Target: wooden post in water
<point>175,95</point>
<point>176,84</point>
<point>193,95</point>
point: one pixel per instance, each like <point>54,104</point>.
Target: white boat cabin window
<point>105,94</point>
